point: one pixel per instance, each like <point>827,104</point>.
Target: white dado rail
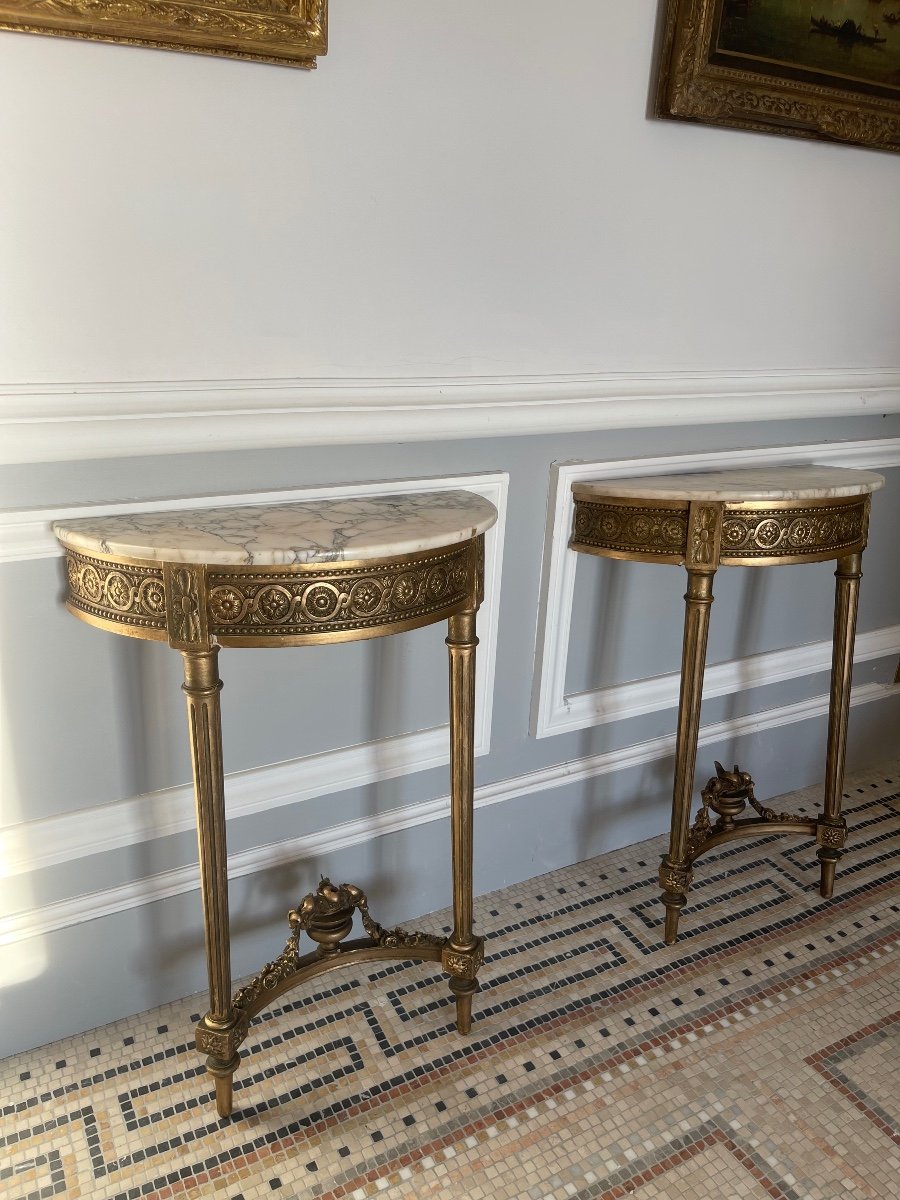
<point>85,420</point>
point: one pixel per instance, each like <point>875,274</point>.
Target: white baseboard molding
<point>50,918</point>
<point>48,841</point>
<point>553,711</point>
<point>586,709</point>
<point>51,422</point>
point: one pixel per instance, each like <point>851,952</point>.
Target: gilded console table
<point>741,518</point>
<point>296,575</point>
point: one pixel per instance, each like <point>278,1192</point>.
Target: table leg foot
<point>675,879</point>
<point>829,860</point>
<point>461,963</point>
<point>223,1074</point>
<point>674,904</point>
<point>464,993</point>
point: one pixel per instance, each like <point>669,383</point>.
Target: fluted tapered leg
<point>462,953</point>
<point>675,872</point>
<point>202,687</point>
<point>831,828</point>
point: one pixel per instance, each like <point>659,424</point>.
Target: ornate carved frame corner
<point>288,33</point>
<point>696,84</point>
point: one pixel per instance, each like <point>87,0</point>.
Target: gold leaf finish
<point>463,965</point>
<point>278,605</point>
<point>796,532</point>
<point>186,607</point>
<point>333,600</point>
<point>200,606</point>
<point>697,84</point>
<point>750,534</point>
<point>629,529</point>
<point>113,591</point>
<point>283,32</point>
<point>832,836</point>
<point>326,916</point>
<point>702,535</point>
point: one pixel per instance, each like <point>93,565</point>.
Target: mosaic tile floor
<point>757,1058</point>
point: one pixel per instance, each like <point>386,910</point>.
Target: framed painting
<point>808,68</point>
<point>289,33</point>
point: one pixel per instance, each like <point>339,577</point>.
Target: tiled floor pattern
<point>757,1058</point>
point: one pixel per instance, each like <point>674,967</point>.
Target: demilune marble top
<point>306,531</point>
<point>745,483</point>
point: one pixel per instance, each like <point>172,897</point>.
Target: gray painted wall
<point>92,720</point>
<point>441,210</point>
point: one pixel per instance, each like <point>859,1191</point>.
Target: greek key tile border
<point>554,1022</point>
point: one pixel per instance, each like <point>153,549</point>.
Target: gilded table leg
<point>832,830</point>
<point>215,1033</point>
<point>675,872</point>
<point>463,951</point>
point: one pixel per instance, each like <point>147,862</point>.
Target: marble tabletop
<point>355,527</point>
<point>746,483</point>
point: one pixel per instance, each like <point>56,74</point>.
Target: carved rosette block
<point>185,605</point>
<point>704,536</point>
<point>221,1044</point>
<point>674,878</point>
<point>831,836</point>
<point>463,964</point>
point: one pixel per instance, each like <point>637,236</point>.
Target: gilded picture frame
<point>827,69</point>
<point>288,33</point>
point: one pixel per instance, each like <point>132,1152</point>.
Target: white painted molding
<point>554,712</point>
<point>31,845</point>
<point>585,709</point>
<point>48,841</point>
<point>50,918</point>
<point>49,422</point>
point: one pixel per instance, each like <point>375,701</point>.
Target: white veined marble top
<point>748,483</point>
<point>302,532</point>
